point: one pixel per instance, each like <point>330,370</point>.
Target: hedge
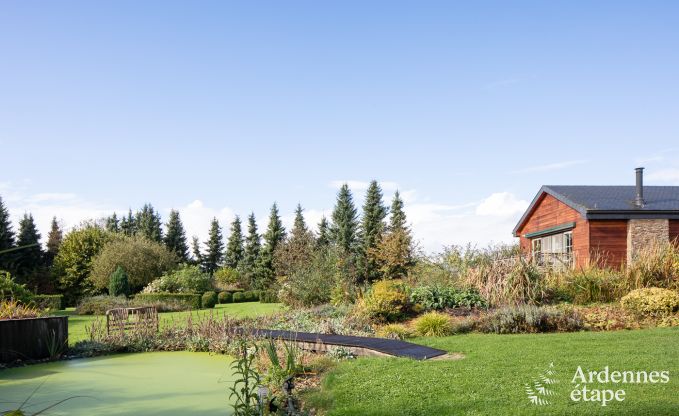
<point>191,300</point>
<point>225,297</point>
<point>209,300</point>
<point>51,302</point>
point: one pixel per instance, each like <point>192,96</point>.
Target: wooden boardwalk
<point>393,347</point>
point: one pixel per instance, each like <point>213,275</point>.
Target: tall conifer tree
<point>195,249</point>
<point>6,232</point>
<point>128,224</point>
<point>344,228</point>
<point>148,223</point>
<point>252,250</point>
<point>175,237</point>
<point>29,258</point>
<point>234,247</point>
<point>54,239</point>
<point>274,236</point>
<point>372,227</point>
<point>215,248</point>
<point>112,223</point>
<point>323,233</point>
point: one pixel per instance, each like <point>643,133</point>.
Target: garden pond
<point>154,383</point>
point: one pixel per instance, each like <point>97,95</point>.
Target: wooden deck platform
<point>381,346</point>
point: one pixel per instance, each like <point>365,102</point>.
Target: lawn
<point>490,379</point>
<point>77,323</point>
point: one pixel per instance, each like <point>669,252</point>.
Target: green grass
<point>490,379</point>
<point>77,324</point>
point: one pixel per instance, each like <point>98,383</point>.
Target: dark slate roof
<point>612,202</point>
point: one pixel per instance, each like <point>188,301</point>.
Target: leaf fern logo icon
<point>542,387</point>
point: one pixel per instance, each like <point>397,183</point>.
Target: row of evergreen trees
<point>253,254</point>
<point>373,247</point>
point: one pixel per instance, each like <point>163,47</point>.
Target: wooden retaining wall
<point>31,339</point>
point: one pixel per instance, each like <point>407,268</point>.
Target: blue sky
<point>220,108</point>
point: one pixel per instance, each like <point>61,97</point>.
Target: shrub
<point>9,289</point>
<point>433,324</point>
<point>225,297</point>
<point>311,284</point>
<point>118,283</point>
<point>225,278</point>
<point>530,319</point>
<point>439,297</point>
<point>51,302</point>
<point>98,305</point>
<point>186,279</point>
<point>185,301</point>
<point>386,301</point>
<point>143,260</point>
<point>651,302</point>
<point>238,297</point>
<point>209,300</point>
<point>13,309</point>
<point>583,285</point>
<point>394,331</point>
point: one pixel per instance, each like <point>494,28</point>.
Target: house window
<point>554,250</point>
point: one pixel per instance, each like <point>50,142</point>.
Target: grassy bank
<point>490,379</point>
<point>77,323</point>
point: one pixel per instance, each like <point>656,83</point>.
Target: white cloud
<point>551,166</point>
<point>197,217</point>
<point>501,204</point>
<point>670,175</point>
<point>490,220</point>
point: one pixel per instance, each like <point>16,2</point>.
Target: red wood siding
<point>550,212</point>
<point>608,242</point>
<point>674,231</point>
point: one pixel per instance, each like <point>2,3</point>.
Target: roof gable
<point>610,202</point>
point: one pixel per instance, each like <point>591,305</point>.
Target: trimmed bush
<point>118,283</point>
<point>394,331</point>
<point>225,297</point>
<point>651,302</point>
<point>251,296</point>
<point>433,324</point>
<point>186,300</point>
<point>51,302</point>
<point>530,319</point>
<point>387,301</point>
<point>209,300</point>
<point>238,297</point>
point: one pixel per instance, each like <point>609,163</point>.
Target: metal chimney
<point>639,200</point>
